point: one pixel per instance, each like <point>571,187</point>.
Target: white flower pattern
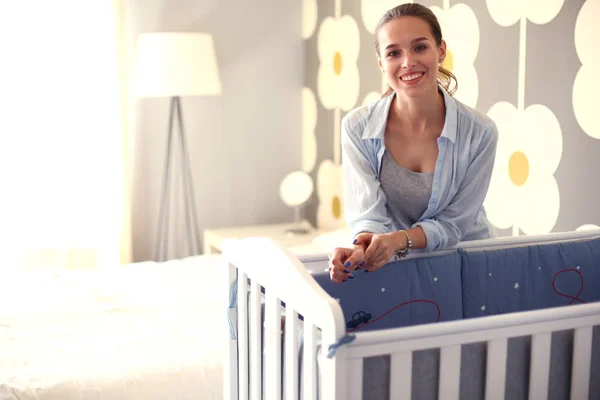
<point>338,78</point>
<point>587,227</point>
<point>309,123</point>
<point>586,85</point>
<point>508,12</point>
<point>330,214</point>
<point>309,18</point>
<point>372,11</point>
<point>461,33</point>
<point>529,152</point>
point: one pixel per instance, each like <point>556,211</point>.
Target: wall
<point>531,70</point>
<point>242,143</point>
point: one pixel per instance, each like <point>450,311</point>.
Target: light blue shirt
<point>455,212</point>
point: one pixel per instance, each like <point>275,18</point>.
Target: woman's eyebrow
<point>419,39</point>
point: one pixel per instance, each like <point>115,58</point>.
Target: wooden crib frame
<point>255,264</point>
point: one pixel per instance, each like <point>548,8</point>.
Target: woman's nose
<point>408,62</point>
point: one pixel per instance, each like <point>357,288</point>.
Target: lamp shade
<point>176,64</point>
<point>296,188</point>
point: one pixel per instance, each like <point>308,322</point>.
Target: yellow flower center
<point>336,207</point>
<point>337,63</point>
<point>518,168</point>
<point>448,61</point>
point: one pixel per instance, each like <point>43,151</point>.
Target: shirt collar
<point>375,128</point>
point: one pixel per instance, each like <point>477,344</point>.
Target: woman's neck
<point>420,114</point>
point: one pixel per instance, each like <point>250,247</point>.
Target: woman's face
<point>409,56</point>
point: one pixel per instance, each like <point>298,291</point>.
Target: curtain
<point>64,166</point>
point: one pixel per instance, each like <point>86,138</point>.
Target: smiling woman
<point>416,163</point>
<point>420,18</point>
<point>62,111</point>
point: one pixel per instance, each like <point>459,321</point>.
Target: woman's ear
<point>442,50</point>
<point>379,62</point>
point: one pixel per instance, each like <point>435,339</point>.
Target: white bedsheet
<point>142,331</point>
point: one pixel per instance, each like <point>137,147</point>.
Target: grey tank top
<point>407,192</point>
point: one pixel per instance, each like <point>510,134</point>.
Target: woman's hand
<point>342,261</point>
<point>380,248</point>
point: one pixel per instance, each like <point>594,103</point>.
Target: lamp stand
<point>191,217</point>
<point>298,229</point>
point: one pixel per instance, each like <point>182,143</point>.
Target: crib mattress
<point>142,331</point>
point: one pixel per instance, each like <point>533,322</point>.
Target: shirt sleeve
<point>447,228</point>
<point>364,200</point>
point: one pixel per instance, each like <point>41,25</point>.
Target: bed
<point>515,318</point>
<point>140,331</point>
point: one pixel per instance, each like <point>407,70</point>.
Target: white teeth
<point>412,77</point>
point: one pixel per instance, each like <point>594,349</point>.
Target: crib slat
<point>230,369</point>
<point>273,347</point>
<point>539,375</point>
<point>242,299</point>
<point>496,369</point>
<point>401,373</point>
<point>255,342</point>
<point>309,361</point>
<point>354,377</point>
<point>582,358</point>
<point>291,354</point>
<point>449,372</point>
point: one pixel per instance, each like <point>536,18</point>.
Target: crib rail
<point>487,244</point>
<point>257,364</point>
<point>528,240</point>
<point>449,337</point>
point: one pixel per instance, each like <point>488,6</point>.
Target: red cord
<point>576,297</point>
<point>566,295</point>
<point>398,306</point>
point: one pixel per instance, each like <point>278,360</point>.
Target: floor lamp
<point>175,65</point>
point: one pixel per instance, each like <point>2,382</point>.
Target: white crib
<point>284,278</point>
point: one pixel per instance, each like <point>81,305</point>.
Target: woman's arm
<point>448,227</point>
<point>364,200</point>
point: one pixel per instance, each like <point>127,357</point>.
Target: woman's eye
<point>421,47</point>
<point>392,54</point>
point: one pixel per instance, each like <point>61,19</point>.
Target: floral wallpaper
<point>528,64</point>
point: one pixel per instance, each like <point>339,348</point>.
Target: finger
<point>351,264</point>
<point>341,254</point>
<point>363,238</point>
<point>336,254</point>
<point>371,252</point>
<point>336,265</point>
<point>338,259</point>
<point>330,265</point>
<point>356,260</point>
<point>380,259</point>
<point>335,276</point>
<point>375,266</point>
<point>344,270</point>
<point>341,276</point>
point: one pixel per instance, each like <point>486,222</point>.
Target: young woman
<point>417,163</point>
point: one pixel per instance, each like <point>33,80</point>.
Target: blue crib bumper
<point>470,283</point>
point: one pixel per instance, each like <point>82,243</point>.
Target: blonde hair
<point>445,77</point>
